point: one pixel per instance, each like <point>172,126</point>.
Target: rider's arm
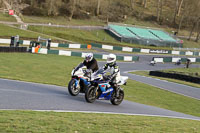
<point>84,62</point>
<point>105,66</point>
<point>116,70</point>
<point>80,65</point>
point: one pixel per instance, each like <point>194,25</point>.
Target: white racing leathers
<point>114,71</point>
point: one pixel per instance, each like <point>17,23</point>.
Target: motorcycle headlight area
<point>72,72</point>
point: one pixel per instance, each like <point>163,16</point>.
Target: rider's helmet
<point>88,57</point>
<point>111,59</point>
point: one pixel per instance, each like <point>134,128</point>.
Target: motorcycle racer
<point>90,62</point>
<point>115,72</point>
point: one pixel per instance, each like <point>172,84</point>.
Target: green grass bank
<point>51,122</point>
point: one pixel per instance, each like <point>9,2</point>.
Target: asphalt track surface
<point>33,96</point>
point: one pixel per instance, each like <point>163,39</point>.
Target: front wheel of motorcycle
<point>73,90</point>
<point>117,100</point>
<point>90,95</point>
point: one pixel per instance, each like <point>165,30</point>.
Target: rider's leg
<point>115,86</point>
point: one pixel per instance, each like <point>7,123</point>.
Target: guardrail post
<point>49,43</point>
<point>12,41</point>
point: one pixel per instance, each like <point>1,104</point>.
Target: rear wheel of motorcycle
<point>90,95</point>
<point>72,89</point>
<point>117,100</point>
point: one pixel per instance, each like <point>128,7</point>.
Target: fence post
<point>17,41</point>
<point>49,44</point>
<point>12,41</point>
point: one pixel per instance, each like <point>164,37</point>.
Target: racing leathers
<point>115,75</point>
<point>91,65</point>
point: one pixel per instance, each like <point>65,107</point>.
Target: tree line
<point>179,14</point>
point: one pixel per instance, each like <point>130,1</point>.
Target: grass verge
<point>189,71</point>
<point>146,73</point>
<point>59,20</point>
<point>7,32</point>
<point>54,69</point>
<point>7,17</point>
<point>51,122</point>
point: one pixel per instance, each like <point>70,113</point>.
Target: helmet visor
<point>88,58</point>
<point>110,59</point>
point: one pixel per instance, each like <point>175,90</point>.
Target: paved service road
<point>33,96</point>
<point>55,25</point>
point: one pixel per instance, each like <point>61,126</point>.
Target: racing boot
<point>116,88</point>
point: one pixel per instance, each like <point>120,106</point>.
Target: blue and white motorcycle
<point>80,80</point>
<point>100,88</point>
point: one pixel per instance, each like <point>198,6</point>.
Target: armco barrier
<point>175,76</point>
<point>79,54</point>
<point>13,49</point>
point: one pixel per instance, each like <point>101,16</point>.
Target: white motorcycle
<point>152,63</point>
<point>80,80</point>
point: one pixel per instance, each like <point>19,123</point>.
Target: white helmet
<point>111,58</point>
<point>88,57</point>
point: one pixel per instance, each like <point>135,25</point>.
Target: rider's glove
<point>88,70</point>
<point>109,77</point>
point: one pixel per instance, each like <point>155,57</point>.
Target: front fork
<point>117,89</point>
<point>95,93</point>
<point>77,85</point>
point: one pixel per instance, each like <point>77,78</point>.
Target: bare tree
<point>193,27</point>
<point>198,24</point>
<point>98,7</point>
<point>183,15</point>
<point>73,9</point>
<point>198,32</point>
<point>132,3</point>
<point>179,7</point>
<point>193,16</point>
<point>145,3</point>
<point>108,11</point>
<point>7,5</point>
<point>161,10</point>
<point>158,10</point>
<point>1,3</point>
<point>180,23</point>
<point>175,11</point>
<point>50,6</point>
<point>53,7</point>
